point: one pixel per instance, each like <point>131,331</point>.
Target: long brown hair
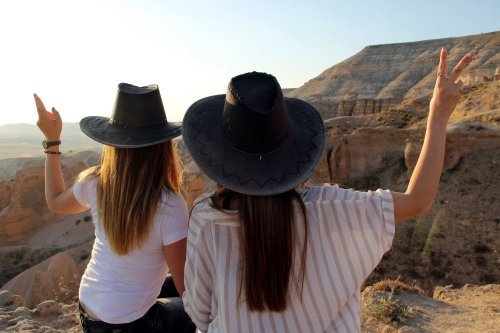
<point>268,240</point>
<point>131,181</point>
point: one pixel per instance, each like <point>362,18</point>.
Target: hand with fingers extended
<point>50,123</point>
<point>447,89</point>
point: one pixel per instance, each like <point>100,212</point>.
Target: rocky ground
<point>47,317</point>
<point>468,309</point>
<point>385,307</point>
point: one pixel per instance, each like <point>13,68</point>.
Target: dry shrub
<point>389,310</point>
<point>396,286</point>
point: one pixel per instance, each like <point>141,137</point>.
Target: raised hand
<point>50,123</point>
<point>447,89</point>
<point>424,180</point>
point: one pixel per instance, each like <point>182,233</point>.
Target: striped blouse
<point>349,233</point>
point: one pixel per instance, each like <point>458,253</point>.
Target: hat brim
<point>102,130</point>
<point>254,174</point>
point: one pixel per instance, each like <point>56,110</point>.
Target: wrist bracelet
<point>52,152</point>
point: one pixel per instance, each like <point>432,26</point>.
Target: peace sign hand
<point>447,89</point>
<point>50,123</point>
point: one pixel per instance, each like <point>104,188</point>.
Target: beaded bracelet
<point>52,152</point>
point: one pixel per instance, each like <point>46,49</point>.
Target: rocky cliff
<point>380,77</point>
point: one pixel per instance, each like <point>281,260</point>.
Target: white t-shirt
<point>122,288</point>
<point>349,231</point>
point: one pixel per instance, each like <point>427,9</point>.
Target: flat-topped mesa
<point>381,76</point>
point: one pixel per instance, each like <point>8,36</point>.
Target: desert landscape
<point>443,271</point>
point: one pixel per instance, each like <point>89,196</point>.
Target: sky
<point>73,54</point>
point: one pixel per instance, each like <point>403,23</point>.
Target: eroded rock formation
<point>380,76</point>
<point>22,204</point>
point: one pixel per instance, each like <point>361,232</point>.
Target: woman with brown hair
<point>264,256</point>
<point>140,218</point>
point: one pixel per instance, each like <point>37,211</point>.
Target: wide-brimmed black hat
<point>253,140</point>
<point>138,120</point>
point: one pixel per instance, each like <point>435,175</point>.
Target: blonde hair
<point>131,182</point>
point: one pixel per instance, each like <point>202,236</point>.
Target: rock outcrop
<point>56,278</point>
<point>385,153</point>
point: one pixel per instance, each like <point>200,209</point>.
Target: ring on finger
<point>441,74</point>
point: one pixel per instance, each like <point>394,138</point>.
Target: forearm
<point>179,283</point>
<point>58,199</point>
<point>424,181</point>
<point>175,255</point>
<point>54,180</point>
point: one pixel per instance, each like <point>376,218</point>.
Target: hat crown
<point>255,119</point>
<point>138,107</point>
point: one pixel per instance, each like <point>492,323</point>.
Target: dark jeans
<point>166,315</point>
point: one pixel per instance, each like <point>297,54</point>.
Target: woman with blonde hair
<point>140,218</point>
<point>265,256</point>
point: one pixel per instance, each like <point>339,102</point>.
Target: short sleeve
<point>84,191</point>
<point>372,210</point>
<point>369,223</point>
<point>382,213</point>
<point>199,273</point>
<point>173,217</point>
<point>361,225</point>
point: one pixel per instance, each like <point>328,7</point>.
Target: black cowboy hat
<point>138,120</point>
<point>253,140</point>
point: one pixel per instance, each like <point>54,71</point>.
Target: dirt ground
<point>456,242</point>
<point>469,309</point>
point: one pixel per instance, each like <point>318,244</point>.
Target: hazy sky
<point>74,53</point>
